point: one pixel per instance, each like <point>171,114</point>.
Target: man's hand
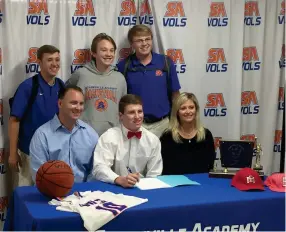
<point>127,181</point>
<point>133,178</point>
<point>15,161</point>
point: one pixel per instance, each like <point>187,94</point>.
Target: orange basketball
<point>55,178</point>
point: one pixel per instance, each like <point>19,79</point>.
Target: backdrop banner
<point>230,54</point>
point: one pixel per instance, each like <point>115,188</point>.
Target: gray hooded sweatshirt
<point>102,92</point>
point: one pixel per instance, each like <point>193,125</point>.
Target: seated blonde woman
<point>186,146</point>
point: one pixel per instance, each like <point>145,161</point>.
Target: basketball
<point>55,178</point>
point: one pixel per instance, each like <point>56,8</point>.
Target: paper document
<point>167,181</point>
<point>177,180</point>
<point>151,183</point>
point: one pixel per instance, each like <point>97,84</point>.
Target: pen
<point>129,170</point>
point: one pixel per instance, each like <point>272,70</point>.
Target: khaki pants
<point>23,177</point>
<point>157,128</point>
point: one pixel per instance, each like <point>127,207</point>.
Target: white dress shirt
<point>115,153</point>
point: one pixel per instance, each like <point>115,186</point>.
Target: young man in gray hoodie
<point>102,85</point>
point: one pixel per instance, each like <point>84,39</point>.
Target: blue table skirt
<point>211,205</point>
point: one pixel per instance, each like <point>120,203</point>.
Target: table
<point>212,205</point>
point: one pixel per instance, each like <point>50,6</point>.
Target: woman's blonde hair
<point>174,124</point>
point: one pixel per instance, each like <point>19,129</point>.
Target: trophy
<point>258,153</point>
<point>234,154</point>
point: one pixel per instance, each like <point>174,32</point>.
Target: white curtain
<point>230,53</point>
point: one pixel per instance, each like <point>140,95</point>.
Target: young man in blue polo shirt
<point>22,123</point>
<point>152,76</point>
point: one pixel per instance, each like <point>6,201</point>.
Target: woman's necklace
<point>191,134</point>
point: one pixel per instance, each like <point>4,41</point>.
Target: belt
<point>152,119</point>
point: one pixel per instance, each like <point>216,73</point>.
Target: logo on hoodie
<point>101,95</point>
<point>101,104</point>
<point>81,57</point>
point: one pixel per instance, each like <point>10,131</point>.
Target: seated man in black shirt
<point>186,146</point>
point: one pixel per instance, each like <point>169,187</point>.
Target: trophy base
<point>258,168</point>
<point>229,174</point>
<point>221,174</point>
<point>260,172</point>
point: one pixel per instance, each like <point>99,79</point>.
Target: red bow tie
<point>138,134</point>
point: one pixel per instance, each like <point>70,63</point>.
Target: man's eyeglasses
<point>141,41</point>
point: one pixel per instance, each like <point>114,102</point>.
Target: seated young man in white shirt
<point>125,153</point>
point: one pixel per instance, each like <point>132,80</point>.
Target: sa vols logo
<point>84,14</point>
<point>217,15</point>
<point>248,137</point>
<point>2,162</point>
<point>178,58</point>
<point>215,106</point>
<point>251,14</point>
<point>250,59</point>
<point>0,61</point>
<point>249,103</point>
<point>38,13</point>
<point>127,15</point>
<point>1,112</point>
<point>81,57</point>
<point>216,60</point>
<point>175,15</point>
<point>3,207</point>
<point>216,145</point>
<point>124,53</point>
<point>32,65</point>
<point>145,15</point>
<point>281,103</point>
<point>1,12</point>
<point>282,59</point>
<point>277,141</point>
<point>281,16</point>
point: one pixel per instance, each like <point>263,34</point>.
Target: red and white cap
<point>247,179</point>
<point>276,182</point>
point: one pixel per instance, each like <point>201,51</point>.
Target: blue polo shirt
<point>43,109</point>
<point>151,84</point>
